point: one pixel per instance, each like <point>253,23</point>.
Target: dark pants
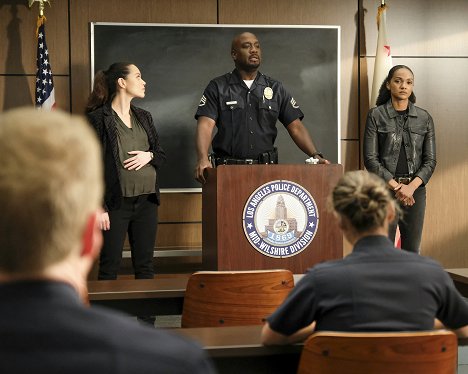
<point>411,222</point>
<point>139,217</point>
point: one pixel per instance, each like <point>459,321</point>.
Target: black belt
<point>404,180</point>
<point>263,158</point>
<point>235,161</point>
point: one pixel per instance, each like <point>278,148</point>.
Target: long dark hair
<point>384,92</point>
<point>105,85</point>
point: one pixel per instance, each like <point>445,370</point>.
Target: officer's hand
<point>323,160</point>
<point>200,169</point>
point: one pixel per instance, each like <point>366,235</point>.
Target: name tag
<point>231,102</point>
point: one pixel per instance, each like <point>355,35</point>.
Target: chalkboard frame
<point>188,184</point>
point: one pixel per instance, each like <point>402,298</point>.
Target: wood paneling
<point>180,221</point>
<point>350,154</point>
<point>16,91</point>
<point>420,27</point>
<point>444,94</point>
<point>19,41</point>
<point>180,207</point>
<point>179,235</point>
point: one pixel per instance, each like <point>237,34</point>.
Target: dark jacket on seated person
<point>45,328</point>
<point>375,288</point>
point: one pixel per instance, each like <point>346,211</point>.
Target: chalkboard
<point>178,61</point>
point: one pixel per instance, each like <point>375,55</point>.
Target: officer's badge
<point>268,93</point>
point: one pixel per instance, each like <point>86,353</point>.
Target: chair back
<point>234,298</point>
<point>425,352</point>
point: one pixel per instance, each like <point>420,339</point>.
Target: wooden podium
<point>225,196</point>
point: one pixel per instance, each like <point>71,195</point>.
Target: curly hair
<point>363,198</point>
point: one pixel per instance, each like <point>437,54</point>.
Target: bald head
<point>237,39</point>
<point>246,52</point>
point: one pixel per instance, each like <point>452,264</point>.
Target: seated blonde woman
<point>375,288</point>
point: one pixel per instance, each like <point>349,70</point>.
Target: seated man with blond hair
<point>51,190</point>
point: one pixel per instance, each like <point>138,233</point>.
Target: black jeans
<point>139,217</point>
<point>411,223</point>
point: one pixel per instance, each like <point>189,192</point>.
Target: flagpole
<point>41,5</point>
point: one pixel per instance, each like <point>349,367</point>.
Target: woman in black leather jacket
<point>399,146</point>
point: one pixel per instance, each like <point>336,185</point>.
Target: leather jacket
<point>384,135</point>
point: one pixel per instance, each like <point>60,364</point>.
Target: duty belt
<point>264,158</point>
<point>234,161</point>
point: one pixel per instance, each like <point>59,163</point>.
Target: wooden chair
<point>226,298</point>
<point>427,352</point>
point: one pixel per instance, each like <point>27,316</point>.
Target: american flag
<point>45,94</point>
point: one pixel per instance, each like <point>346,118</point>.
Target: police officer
<point>244,105</point>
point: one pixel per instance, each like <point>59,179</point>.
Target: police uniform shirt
<point>246,118</point>
<point>375,288</point>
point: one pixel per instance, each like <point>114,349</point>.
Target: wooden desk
<point>460,279</point>
<point>238,349</point>
<point>162,295</point>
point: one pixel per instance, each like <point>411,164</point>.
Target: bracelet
<point>316,153</point>
<point>151,154</point>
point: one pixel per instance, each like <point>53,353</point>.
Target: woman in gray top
<point>132,156</point>
<point>399,146</point>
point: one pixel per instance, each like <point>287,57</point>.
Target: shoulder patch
<point>202,101</point>
<point>294,104</point>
